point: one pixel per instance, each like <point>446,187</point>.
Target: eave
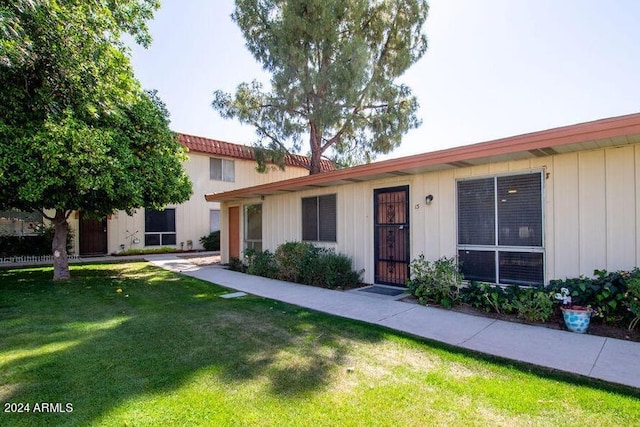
<point>611,132</point>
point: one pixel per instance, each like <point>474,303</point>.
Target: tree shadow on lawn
<point>86,343</point>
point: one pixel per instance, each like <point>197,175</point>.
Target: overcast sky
<point>493,69</point>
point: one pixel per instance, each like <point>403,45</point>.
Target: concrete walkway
<point>608,359</point>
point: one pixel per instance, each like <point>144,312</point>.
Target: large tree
<point>334,66</point>
<point>77,132</point>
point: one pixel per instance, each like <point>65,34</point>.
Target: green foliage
<point>304,263</point>
<point>77,132</point>
<point>606,293</point>
<point>334,271</point>
<point>148,251</point>
<point>533,305</point>
<point>261,263</point>
<point>236,264</point>
<point>334,66</point>
<point>295,261</point>
<point>487,297</point>
<point>436,281</point>
<point>211,242</point>
<point>632,297</point>
<point>39,244</point>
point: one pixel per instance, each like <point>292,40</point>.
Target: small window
<point>214,220</point>
<point>222,170</point>
<point>253,227</point>
<point>319,218</point>
<point>160,227</point>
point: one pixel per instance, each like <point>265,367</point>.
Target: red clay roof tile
<point>226,149</point>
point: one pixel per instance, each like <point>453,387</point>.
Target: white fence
<point>37,259</point>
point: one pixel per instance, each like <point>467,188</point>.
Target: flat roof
<point>611,132</point>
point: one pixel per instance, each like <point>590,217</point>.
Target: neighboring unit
<point>519,210</point>
<point>212,166</point>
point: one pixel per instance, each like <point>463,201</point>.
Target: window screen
<point>476,212</point>
<point>160,227</point>
<point>319,218</point>
<point>519,210</point>
<point>222,169</point>
<point>253,227</point>
<point>327,218</point>
<point>310,218</point>
<point>500,230</point>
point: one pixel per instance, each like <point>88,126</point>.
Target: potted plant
<point>576,317</point>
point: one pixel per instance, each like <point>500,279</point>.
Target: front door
<point>234,232</point>
<point>391,235</point>
<point>93,236</point>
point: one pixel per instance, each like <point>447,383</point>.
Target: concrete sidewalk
<point>612,360</point>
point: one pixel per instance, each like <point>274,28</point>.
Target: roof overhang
<point>616,131</point>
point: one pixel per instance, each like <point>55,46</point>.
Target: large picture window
<point>500,230</point>
<point>319,218</point>
<point>222,170</point>
<point>159,227</point>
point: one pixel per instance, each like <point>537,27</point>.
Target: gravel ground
<point>203,260</point>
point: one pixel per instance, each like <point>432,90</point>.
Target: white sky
<point>494,68</point>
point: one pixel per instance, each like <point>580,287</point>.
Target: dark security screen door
<point>391,235</point>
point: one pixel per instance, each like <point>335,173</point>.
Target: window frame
<point>502,251</point>
<point>212,213</point>
<point>165,237</point>
<point>252,242</point>
<point>227,167</point>
<point>320,234</point>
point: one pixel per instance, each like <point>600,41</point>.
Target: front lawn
<point>130,344</point>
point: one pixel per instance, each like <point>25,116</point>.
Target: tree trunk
<point>316,153</point>
<point>316,167</point>
<point>59,246</point>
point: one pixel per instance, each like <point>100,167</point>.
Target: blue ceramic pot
<point>577,318</point>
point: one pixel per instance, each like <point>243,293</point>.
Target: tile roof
<point>226,149</point>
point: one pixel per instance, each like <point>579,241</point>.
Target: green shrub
<point>606,293</point>
<point>303,263</point>
<point>487,297</point>
<point>331,270</point>
<point>148,251</point>
<point>437,282</point>
<point>236,264</point>
<point>533,305</point>
<point>261,263</point>
<point>39,244</point>
<point>633,300</point>
<point>293,260</point>
<point>211,242</point>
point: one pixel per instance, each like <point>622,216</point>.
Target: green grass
<point>168,351</point>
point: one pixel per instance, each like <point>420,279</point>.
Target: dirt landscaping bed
<point>596,327</point>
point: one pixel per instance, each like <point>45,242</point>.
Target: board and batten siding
<point>591,212</point>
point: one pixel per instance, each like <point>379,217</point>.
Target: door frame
<point>404,226</point>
